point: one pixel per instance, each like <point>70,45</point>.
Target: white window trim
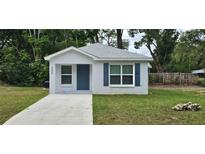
<point>66,74</point>
<point>122,85</point>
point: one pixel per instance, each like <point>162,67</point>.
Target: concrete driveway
<point>57,109</point>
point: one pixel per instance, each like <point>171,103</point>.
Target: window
<point>127,74</point>
<point>121,75</point>
<point>115,74</point>
<point>66,74</point>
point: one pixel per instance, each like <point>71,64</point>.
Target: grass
<point>15,99</point>
<point>156,108</point>
<point>117,109</point>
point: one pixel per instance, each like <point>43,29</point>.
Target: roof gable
<point>67,50</point>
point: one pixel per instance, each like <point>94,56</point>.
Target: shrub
<point>17,68</point>
<point>39,71</point>
<point>151,79</point>
<point>201,82</point>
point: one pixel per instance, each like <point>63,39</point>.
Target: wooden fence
<point>172,78</point>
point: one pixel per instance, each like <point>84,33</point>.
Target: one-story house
<point>98,69</point>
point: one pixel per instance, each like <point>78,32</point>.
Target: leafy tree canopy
<point>22,51</point>
<point>189,53</point>
<point>160,43</point>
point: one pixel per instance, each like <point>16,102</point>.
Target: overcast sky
<point>143,50</point>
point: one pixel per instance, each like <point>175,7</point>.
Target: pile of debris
<point>187,107</point>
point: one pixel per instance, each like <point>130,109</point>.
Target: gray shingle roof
<point>107,52</point>
<point>103,52</point>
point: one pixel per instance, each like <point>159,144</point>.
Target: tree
<point>160,43</point>
<point>4,37</point>
<point>109,36</point>
<point>119,38</point>
<point>15,67</point>
<point>22,51</point>
<point>189,53</point>
<point>113,37</point>
<point>38,41</point>
<point>92,35</point>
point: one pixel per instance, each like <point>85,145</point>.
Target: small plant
<point>201,82</point>
<point>151,79</point>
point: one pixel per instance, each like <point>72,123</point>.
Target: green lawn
<point>117,109</point>
<point>152,109</point>
<point>15,99</point>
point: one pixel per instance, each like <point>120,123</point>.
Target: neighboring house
<point>98,69</point>
<point>200,73</point>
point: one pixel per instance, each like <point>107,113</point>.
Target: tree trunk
<point>92,39</point>
<point>157,63</point>
<point>96,38</point>
<point>76,41</point>
<point>119,38</point>
<point>108,41</point>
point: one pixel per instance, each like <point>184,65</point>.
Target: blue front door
<point>83,77</point>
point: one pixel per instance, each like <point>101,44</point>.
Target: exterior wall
<point>51,77</point>
<point>99,88</point>
<point>70,58</point>
<point>96,75</point>
<point>62,88</point>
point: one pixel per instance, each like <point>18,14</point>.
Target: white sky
<point>143,50</point>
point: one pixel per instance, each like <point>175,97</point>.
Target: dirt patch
<point>201,93</point>
<point>181,87</point>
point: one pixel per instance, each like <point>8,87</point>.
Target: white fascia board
<point>67,50</point>
<point>148,60</point>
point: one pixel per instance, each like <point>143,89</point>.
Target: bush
<point>201,82</point>
<point>17,68</point>
<point>39,71</point>
<point>151,79</point>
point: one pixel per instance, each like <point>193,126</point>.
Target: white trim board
<point>67,50</point>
